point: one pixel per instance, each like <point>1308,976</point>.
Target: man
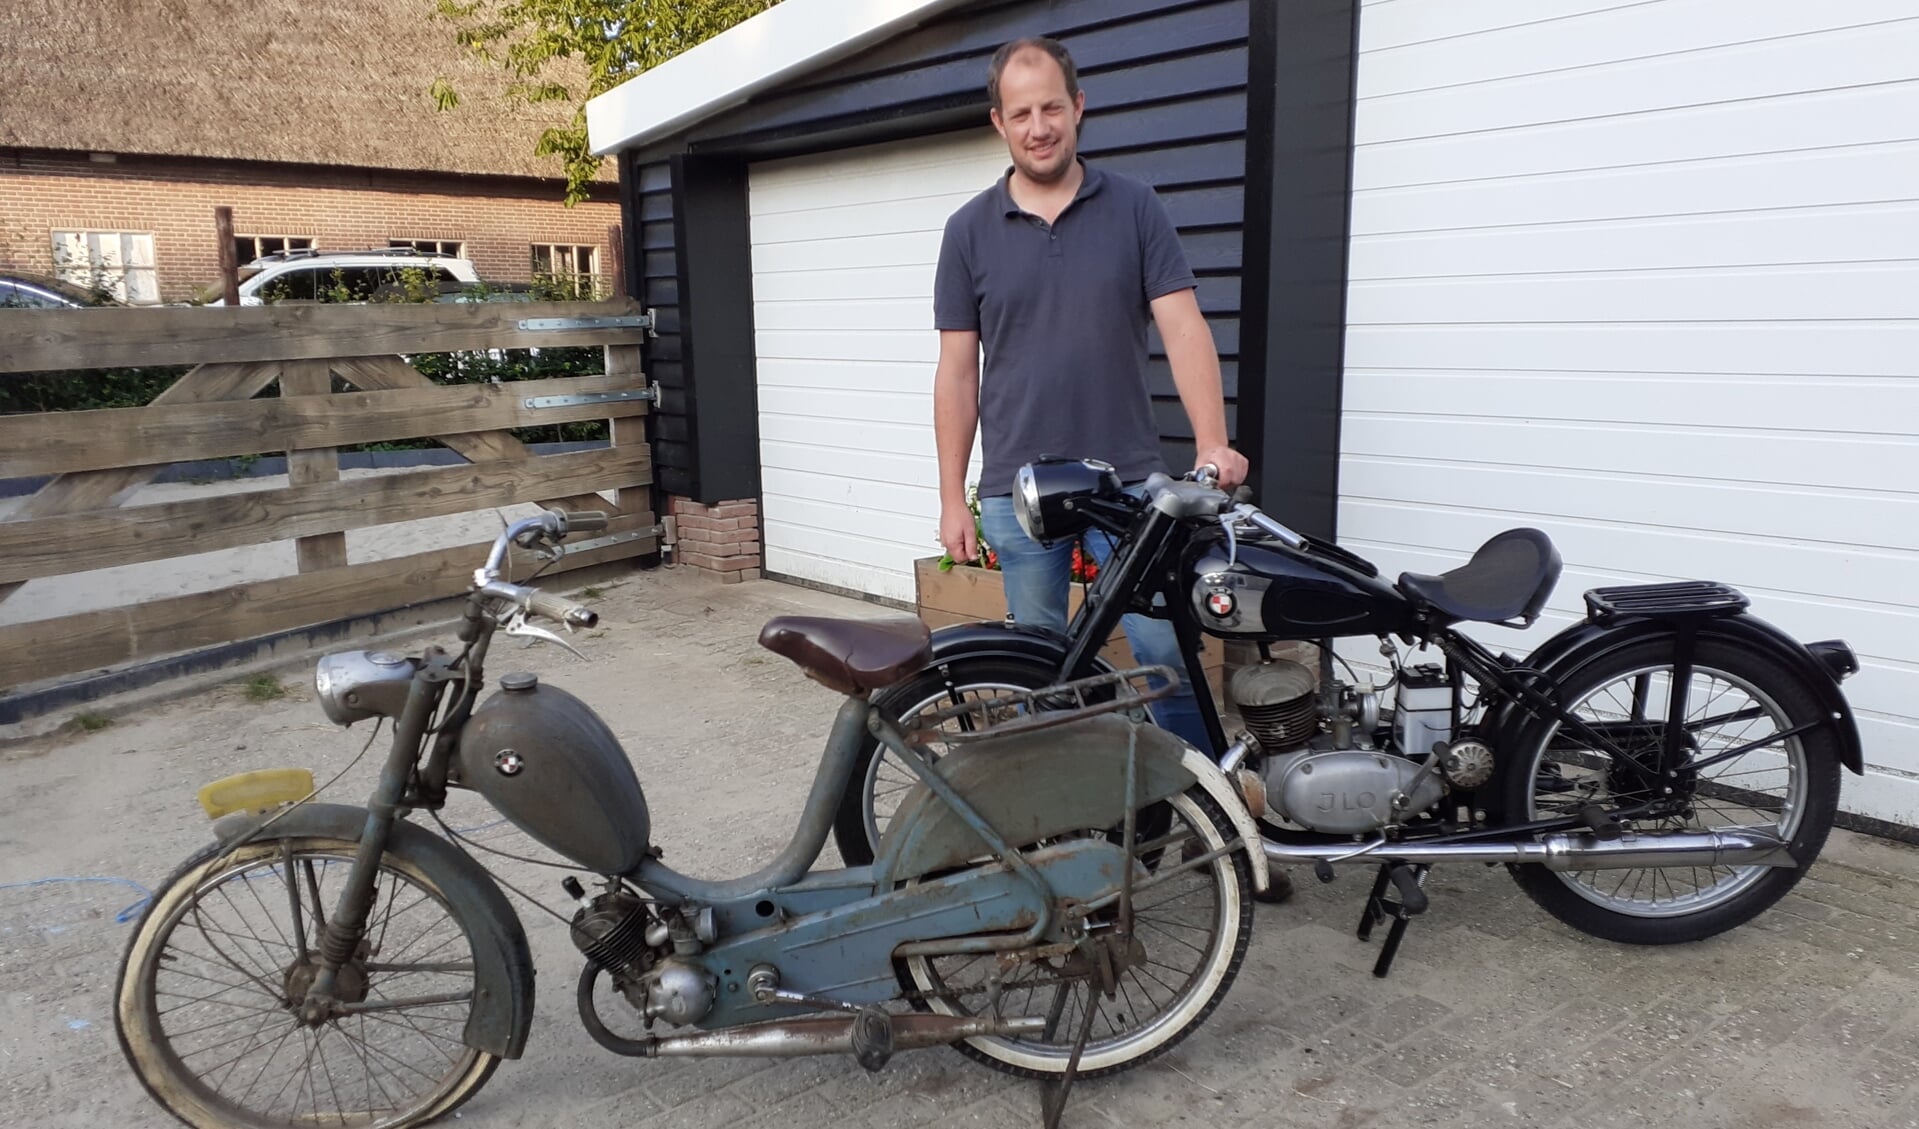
<point>1057,268</point>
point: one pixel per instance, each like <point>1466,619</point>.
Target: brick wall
<point>498,218</point>
<point>723,539</point>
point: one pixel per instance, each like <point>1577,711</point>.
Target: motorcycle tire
<point>1791,787</point>
<point>1156,1002</point>
<point>876,778</point>
<point>219,957</point>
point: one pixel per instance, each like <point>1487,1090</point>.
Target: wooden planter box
<point>965,594</point>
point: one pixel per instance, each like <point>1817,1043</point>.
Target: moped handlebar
<point>535,602</point>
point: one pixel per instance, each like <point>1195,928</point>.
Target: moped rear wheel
<point>209,993</point>
<point>1193,930</point>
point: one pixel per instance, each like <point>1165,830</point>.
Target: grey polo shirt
<point>1062,311</point>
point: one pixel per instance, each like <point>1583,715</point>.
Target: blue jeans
<point>1037,582</point>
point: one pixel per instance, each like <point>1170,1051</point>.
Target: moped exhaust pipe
<point>1580,850</point>
<point>833,1035</point>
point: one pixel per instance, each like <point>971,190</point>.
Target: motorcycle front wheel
<point>879,781</point>
<point>1734,700</point>
<point>209,992</point>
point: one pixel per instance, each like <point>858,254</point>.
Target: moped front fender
<point>1050,782</point>
<point>502,963</point>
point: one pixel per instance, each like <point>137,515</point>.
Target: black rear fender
<point>1588,642</point>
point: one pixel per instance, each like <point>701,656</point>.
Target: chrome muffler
<point>1580,850</point>
<point>834,1035</point>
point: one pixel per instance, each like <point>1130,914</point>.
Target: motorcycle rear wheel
<point>1736,696</point>
<point>206,995</point>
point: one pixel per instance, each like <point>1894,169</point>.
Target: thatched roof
<point>337,82</point>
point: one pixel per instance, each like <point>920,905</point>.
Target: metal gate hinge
<point>646,321</point>
<point>619,538</point>
<point>650,394</point>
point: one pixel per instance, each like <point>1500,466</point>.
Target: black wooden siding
<point>1166,103</point>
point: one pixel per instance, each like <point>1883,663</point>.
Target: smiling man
<point>1056,271</point>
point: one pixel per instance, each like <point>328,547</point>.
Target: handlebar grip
<point>586,521</point>
<point>561,611</point>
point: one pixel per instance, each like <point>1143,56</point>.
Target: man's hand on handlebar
<point>1232,466</point>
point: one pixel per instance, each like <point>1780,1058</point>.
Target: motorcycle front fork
<point>346,927</point>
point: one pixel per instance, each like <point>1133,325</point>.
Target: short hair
<point>1051,47</point>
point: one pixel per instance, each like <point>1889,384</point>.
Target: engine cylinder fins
<point>1277,700</point>
<point>613,934</point>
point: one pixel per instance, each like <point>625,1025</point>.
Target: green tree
<point>546,45</point>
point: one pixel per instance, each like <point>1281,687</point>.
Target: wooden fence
<point>76,521</point>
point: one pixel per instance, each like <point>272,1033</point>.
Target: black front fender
<point>1000,640</point>
<point>1587,641</point>
<point>502,963</point>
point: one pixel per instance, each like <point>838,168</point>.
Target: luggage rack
<point>1045,708</point>
<point>1687,599</point>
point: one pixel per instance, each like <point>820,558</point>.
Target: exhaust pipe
<point>834,1035</point>
<point>1568,851</point>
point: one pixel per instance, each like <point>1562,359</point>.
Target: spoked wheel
<point>1192,932</point>
<point>1731,776</point>
<point>879,781</point>
<point>210,991</point>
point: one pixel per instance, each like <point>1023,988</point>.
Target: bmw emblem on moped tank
<point>1221,603</point>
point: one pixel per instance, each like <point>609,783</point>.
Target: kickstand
<point>1052,1096</point>
<point>1412,901</point>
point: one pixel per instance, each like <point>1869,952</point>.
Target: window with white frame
<point>119,263</point>
<point>450,247</point>
<point>572,269</point>
<point>247,248</point>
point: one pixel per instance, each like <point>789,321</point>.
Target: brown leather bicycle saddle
<point>853,656</point>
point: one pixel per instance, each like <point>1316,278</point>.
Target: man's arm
<point>955,419</point>
<point>1195,361</point>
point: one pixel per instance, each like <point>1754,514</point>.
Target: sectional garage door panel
<point>1647,277</point>
<point>844,250</point>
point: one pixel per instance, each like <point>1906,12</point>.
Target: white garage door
<point>844,246</point>
<point>1646,276</point>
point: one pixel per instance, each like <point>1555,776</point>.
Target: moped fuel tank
<point>550,765</point>
<point>1271,592</point>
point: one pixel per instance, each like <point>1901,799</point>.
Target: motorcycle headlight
<point>1047,495</point>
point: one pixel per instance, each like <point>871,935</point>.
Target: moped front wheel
<point>209,994</point>
<point>1192,930</point>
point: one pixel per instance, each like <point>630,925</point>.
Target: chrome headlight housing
<point>1047,495</point>
<point>355,685</point>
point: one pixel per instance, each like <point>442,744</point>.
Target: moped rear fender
<point>502,963</point>
<point>1038,785</point>
<point>1587,641</point>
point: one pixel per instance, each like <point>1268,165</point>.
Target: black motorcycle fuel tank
<point>1270,592</point>
<point>548,763</point>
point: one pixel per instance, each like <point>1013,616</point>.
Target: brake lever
<point>1229,521</point>
<point>517,624</point>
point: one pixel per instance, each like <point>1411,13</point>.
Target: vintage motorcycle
<point>323,964</point>
<point>1659,772</point>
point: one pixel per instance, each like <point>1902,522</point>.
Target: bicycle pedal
<point>872,1038</point>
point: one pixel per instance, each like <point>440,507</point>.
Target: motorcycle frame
<point>1148,545</point>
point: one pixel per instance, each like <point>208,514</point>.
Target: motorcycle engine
<point>1315,775</point>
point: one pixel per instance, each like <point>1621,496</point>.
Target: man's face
<point>1036,117</point>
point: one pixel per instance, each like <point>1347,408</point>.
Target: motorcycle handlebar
<point>536,602</point>
<point>583,521</point>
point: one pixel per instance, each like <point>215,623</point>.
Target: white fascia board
<point>781,43</point>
